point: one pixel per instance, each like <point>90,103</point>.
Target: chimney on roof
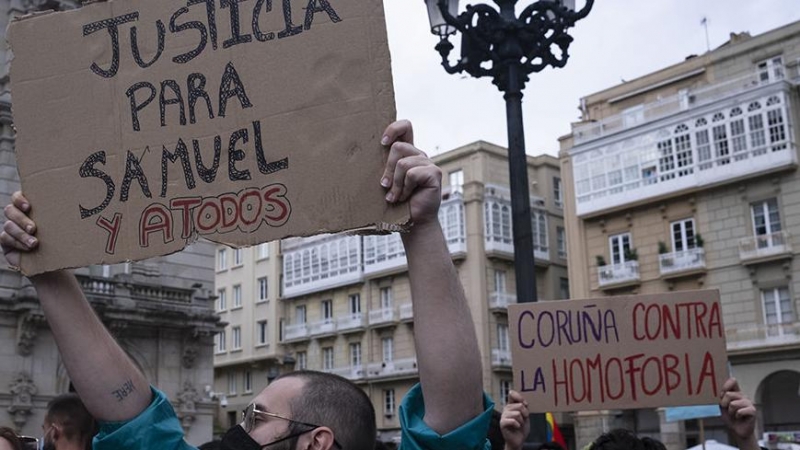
<point>739,37</point>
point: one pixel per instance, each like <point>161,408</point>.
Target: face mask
<point>238,439</point>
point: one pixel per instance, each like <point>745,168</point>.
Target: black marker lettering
<point>192,24</point>
<point>88,170</point>
<point>133,170</point>
<point>312,9</point>
<point>267,6</point>
<point>236,36</point>
<point>111,25</point>
<point>161,31</point>
<point>235,154</point>
<point>166,156</point>
<point>196,86</point>
<point>176,100</point>
<point>226,91</point>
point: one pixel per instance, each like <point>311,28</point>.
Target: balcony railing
<point>351,322</point>
<point>667,106</point>
<point>398,367</point>
<point>351,373</point>
<point>327,326</point>
<point>382,316</point>
<point>764,246</point>
<point>762,335</point>
<point>406,311</point>
<point>296,331</point>
<point>618,273</point>
<point>676,262</point>
<point>501,300</point>
<point>501,358</point>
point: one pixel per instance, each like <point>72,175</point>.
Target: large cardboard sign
<point>144,124</point>
<point>619,352</point>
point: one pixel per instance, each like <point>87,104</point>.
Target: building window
<point>500,281</point>
<point>771,69</point>
<point>221,345</point>
<point>456,181</point>
<point>557,199</point>
<point>355,354</point>
<point>237,296</point>
<point>355,303</point>
<point>222,259</point>
<point>263,250</point>
<point>327,310</point>
<point>261,330</point>
<point>505,388</point>
<point>247,382</point>
<point>327,358</point>
<point>620,246</point>
<point>388,349</point>
<point>777,310</point>
<point>280,330</point>
<point>302,361</point>
<point>231,383</point>
<point>386,297</point>
<point>539,228</point>
<point>238,259</point>
<point>300,315</point>
<point>236,335</point>
<point>767,223</point>
<point>720,136</point>
<point>502,337</point>
<point>263,289</point>
<point>388,403</point>
<point>561,242</point>
<point>222,301</point>
<point>683,235</point>
<point>563,287</point>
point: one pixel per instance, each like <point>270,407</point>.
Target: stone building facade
<point>159,310</point>
<point>686,178</point>
<point>342,303</point>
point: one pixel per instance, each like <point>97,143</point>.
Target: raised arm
<point>109,384</point>
<point>739,415</point>
<point>447,347</point>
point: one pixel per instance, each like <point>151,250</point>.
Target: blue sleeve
<point>417,435</point>
<point>156,428</point>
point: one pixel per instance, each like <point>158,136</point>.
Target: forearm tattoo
<point>124,391</point>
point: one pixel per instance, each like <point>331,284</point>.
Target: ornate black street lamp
<point>508,48</point>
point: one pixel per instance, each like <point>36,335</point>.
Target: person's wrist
<point>749,443</point>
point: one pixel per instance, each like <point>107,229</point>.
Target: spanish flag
<point>553,433</point>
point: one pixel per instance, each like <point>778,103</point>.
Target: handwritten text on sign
<point>241,122</point>
<point>619,352</point>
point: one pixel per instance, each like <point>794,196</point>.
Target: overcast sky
<point>620,39</point>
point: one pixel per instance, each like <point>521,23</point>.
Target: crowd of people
<point>308,410</point>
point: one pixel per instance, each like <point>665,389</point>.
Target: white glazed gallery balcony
<point>735,135</point>
<point>320,263</point>
<point>349,322</point>
<point>497,226</point>
<point>684,261</point>
<point>613,274</point>
<point>384,254</point>
<point>765,246</point>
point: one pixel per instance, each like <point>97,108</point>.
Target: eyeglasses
<point>29,443</point>
<point>249,420</point>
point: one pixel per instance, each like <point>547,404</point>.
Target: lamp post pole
<point>508,48</point>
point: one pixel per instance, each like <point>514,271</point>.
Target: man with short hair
<point>68,425</point>
<point>305,410</point>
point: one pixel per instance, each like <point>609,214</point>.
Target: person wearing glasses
<point>300,410</point>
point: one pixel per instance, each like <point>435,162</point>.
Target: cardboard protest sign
<point>144,124</point>
<point>619,352</point>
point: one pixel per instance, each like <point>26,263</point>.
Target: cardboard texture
<point>144,124</point>
<point>624,352</point>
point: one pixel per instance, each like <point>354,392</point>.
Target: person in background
<point>9,439</point>
<point>68,424</point>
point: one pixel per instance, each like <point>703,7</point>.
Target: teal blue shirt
<point>158,428</point>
